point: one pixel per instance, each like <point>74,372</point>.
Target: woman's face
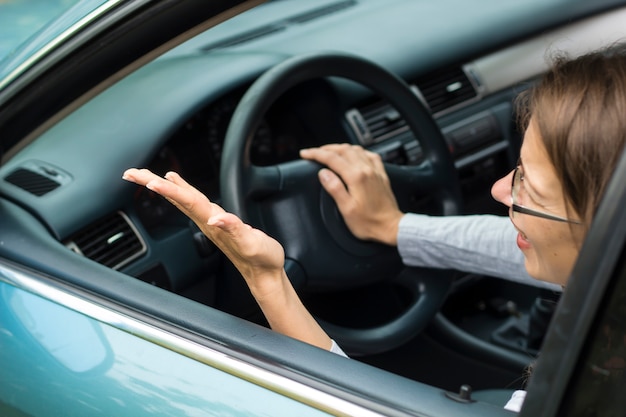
<point>550,247</point>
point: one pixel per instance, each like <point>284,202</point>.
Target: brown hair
<point>579,108</point>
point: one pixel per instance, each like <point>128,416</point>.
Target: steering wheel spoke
<point>261,182</point>
<point>298,174</point>
<point>266,182</point>
<point>414,183</point>
<point>413,177</point>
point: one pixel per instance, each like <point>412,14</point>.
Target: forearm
<point>286,314</point>
<point>480,244</point>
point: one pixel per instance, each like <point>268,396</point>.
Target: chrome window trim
<point>254,374</point>
<point>56,42</point>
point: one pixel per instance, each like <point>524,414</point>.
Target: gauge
<point>152,209</point>
<point>263,150</point>
<point>267,147</point>
<point>217,119</point>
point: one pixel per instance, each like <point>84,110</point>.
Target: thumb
<point>225,221</point>
<point>334,186</point>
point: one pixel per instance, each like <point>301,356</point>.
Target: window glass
<point>30,26</point>
<point>20,19</point>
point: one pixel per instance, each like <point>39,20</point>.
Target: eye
<point>521,186</point>
<point>524,191</point>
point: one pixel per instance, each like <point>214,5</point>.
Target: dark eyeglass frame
<point>515,187</point>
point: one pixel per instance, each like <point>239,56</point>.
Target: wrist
<point>388,231</point>
<point>268,286</point>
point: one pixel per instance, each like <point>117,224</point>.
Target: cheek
<point>555,251</point>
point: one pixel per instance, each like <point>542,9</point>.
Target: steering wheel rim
<point>254,193</point>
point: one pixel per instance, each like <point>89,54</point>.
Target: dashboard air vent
<point>112,241</point>
<point>31,181</point>
<point>381,121</point>
<point>445,89</point>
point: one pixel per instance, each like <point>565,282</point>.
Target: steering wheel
<point>288,203</point>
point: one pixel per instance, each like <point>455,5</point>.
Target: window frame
<point>597,270</point>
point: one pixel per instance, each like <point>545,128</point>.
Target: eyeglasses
<point>518,177</point>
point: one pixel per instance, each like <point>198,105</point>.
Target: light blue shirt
<point>481,244</point>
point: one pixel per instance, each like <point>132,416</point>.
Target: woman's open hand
<point>258,257</point>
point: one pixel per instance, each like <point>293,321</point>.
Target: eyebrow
<point>529,186</point>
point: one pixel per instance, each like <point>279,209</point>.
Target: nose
<point>501,190</point>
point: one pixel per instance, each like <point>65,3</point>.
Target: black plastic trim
<point>582,299</point>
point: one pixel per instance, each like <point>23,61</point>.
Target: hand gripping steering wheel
<point>288,203</point>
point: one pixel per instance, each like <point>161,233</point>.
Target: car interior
<point>430,87</point>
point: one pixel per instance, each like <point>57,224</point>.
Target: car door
<point>66,356</point>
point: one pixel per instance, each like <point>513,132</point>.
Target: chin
<point>543,274</point>
<point>535,271</point>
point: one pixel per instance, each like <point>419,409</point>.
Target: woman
<point>575,130</point>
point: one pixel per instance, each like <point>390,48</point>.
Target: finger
<point>336,157</point>
<point>238,232</point>
<point>151,181</point>
<point>155,183</point>
<point>335,187</point>
<point>375,159</point>
<point>138,176</point>
<point>227,222</point>
<point>347,150</point>
<point>185,196</point>
<point>321,155</point>
<point>238,240</point>
<point>377,163</point>
<point>175,178</point>
<point>177,191</point>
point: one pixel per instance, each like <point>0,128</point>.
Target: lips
<point>522,242</point>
